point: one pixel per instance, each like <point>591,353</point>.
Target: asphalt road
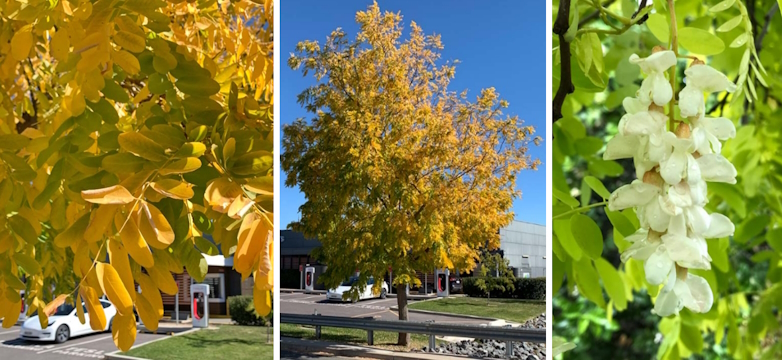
<point>93,346</point>
<point>299,303</point>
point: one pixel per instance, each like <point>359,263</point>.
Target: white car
<point>22,311</point>
<point>64,324</point>
<point>367,293</point>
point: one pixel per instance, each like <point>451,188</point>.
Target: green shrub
<point>530,289</point>
<point>527,289</point>
<point>243,311</point>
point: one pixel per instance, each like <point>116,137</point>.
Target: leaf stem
<point>580,209</point>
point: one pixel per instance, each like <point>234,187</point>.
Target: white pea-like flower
<point>674,165</point>
<point>655,88</point>
<point>701,78</point>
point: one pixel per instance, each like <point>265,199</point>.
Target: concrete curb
<point>116,355</point>
<point>301,345</point>
<point>323,292</point>
<point>463,316</point>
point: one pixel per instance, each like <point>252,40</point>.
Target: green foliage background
<point>602,305</point>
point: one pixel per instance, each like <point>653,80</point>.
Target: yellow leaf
<point>150,292</point>
<point>147,313</point>
<point>113,195</point>
<point>100,222</point>
<point>6,241</point>
<point>164,280</point>
<point>253,244</point>
<point>74,233</point>
<point>174,189</point>
<point>119,259</point>
<point>130,41</point>
<point>21,43</point>
<point>10,312</point>
<point>112,286</point>
<point>60,45</point>
<point>126,61</point>
<point>132,241</point>
<point>123,331</point>
<point>94,308</point>
<point>80,309</point>
<point>142,146</point>
<point>263,301</point>
<point>52,306</point>
<point>154,226</point>
<point>181,166</point>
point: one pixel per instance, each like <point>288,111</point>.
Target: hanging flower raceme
<point>673,166</point>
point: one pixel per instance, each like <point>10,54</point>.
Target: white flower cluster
<point>672,167</point>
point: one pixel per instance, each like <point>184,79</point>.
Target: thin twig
<point>566,87</point>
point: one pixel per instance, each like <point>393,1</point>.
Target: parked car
<point>336,294</point>
<point>64,324</point>
<point>455,284</point>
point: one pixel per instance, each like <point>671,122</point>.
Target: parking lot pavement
<point>93,346</point>
<point>299,303</point>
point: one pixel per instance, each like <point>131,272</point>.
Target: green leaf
<point>22,228</point>
<point>659,26</point>
<point>691,337</point>
<point>740,40</point>
<point>564,197</point>
<point>613,283</point>
<point>565,237</point>
<point>725,5</point>
<point>122,163</point>
<point>730,24</point>
<point>27,263</point>
<point>587,235</point>
<point>198,86</point>
<point>700,41</point>
<point>13,142</point>
<point>560,345</point>
<point>597,186</point>
<point>254,163</point>
<point>750,228</point>
<point>588,282</point>
<point>142,146</point>
<point>730,194</point>
<point>620,222</point>
<point>719,255</point>
<point>206,246</point>
<point>191,149</point>
<point>588,145</point>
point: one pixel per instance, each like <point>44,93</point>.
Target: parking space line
<point>81,343</point>
<point>372,313</point>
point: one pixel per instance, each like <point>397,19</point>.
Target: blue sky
<point>499,43</point>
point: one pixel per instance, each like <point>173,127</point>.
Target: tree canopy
<point>697,276</point>
<point>397,170</point>
<point>132,133</point>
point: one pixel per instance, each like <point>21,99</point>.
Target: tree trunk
<point>401,303</point>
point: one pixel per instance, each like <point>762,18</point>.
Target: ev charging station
<point>441,276</point>
<point>199,293</point>
<point>309,278</point>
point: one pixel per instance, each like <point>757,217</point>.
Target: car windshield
<point>64,309</point>
<point>350,282</point>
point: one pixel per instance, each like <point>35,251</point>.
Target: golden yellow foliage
<point>115,117</point>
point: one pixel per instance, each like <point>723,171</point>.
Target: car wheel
<point>111,323</point>
<point>62,335</point>
<point>383,294</point>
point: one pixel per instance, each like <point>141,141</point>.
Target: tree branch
<point>769,14</point>
<point>566,87</point>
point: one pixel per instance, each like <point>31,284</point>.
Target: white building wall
<point>521,239</point>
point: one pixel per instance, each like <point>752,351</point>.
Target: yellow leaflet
<point>112,286</point>
<point>153,220</point>
<point>174,189</point>
<point>22,43</point>
<point>79,309</point>
<point>132,241</point>
<point>60,45</point>
<point>130,41</point>
<point>147,313</point>
<point>263,301</point>
<point>74,233</point>
<point>113,195</point>
<point>51,307</point>
<point>126,61</point>
<point>119,259</point>
<point>100,222</point>
<point>150,292</point>
<point>123,331</point>
<point>94,308</point>
<point>164,280</point>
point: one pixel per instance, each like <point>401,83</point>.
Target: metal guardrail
<point>507,334</point>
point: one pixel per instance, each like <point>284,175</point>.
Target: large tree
<point>397,170</point>
<point>129,131</point>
